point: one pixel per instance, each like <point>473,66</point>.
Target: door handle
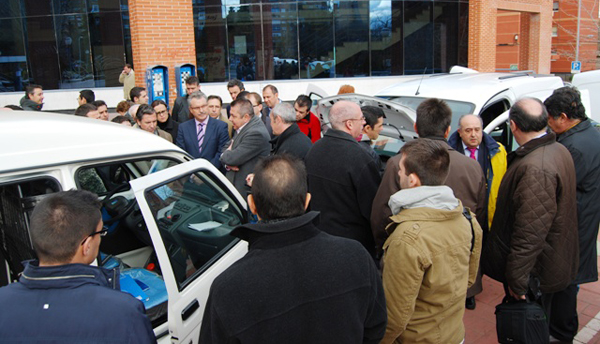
<point>190,309</point>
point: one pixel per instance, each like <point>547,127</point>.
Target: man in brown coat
<point>465,177</point>
<point>534,233</point>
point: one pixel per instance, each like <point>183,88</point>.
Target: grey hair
<point>286,112</point>
<point>195,95</point>
<point>341,112</point>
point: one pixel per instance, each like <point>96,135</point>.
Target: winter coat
<point>296,284</point>
<point>343,180</point>
<point>431,257</point>
<point>170,126</point>
<point>311,127</point>
<point>464,177</point>
<point>493,163</point>
<point>292,141</point>
<point>534,232</point>
<point>71,303</point>
<point>583,142</point>
<point>29,105</point>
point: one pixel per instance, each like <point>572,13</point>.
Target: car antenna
<point>418,88</point>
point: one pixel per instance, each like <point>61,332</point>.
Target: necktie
<point>472,150</point>
<point>200,136</point>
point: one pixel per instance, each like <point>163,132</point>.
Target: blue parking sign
<point>575,67</point>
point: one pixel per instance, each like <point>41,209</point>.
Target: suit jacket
<point>249,145</point>
<point>216,140</point>
<point>266,119</point>
<point>181,110</point>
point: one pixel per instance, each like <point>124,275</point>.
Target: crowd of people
<point>345,250</point>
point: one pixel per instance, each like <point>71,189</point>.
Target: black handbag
<point>521,322</point>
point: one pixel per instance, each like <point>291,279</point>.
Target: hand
<point>249,179</point>
<point>514,295</point>
<point>234,168</point>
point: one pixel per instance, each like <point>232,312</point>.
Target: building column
<point>535,38</point>
<point>161,34</point>
<point>482,35</point>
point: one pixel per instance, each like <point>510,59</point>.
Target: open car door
<point>190,210</point>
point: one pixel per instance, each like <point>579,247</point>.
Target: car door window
<point>194,217</point>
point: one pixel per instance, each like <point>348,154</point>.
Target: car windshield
<point>458,108</point>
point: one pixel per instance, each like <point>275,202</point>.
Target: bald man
<point>533,244</point>
<point>343,178</point>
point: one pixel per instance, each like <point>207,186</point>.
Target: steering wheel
<point>118,206</point>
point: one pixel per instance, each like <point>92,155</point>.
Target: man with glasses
<point>342,177</point>
<point>60,297</point>
<point>202,136</point>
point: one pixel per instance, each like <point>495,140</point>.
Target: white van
<point>466,91</point>
<point>169,216</point>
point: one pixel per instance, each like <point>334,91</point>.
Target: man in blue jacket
<point>61,298</point>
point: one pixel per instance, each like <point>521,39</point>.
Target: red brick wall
<point>162,32</point>
<point>507,48</point>
<point>534,38</point>
<point>565,21</point>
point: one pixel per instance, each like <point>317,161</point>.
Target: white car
<point>466,91</point>
<point>169,216</point>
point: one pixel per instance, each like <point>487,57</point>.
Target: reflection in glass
<point>74,51</point>
<point>211,43</point>
<point>351,38</point>
<point>445,49</point>
<point>315,26</point>
<point>418,37</point>
<point>281,41</point>
<point>13,59</point>
<point>108,48</point>
<point>195,219</point>
<point>245,43</point>
<point>386,38</point>
<point>69,6</point>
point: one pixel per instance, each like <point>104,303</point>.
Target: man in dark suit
<point>202,137</point>
<point>249,144</point>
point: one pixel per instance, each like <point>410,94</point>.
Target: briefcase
<point>521,322</point>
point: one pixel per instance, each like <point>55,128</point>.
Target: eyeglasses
<point>161,112</point>
<point>362,118</point>
<point>102,233</point>
<point>256,105</point>
<point>198,108</point>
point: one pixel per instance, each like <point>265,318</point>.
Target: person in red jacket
<point>307,121</point>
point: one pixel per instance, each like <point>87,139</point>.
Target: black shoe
<point>470,303</point>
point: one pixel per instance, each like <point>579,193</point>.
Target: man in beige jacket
<point>432,253</point>
<point>127,78</point>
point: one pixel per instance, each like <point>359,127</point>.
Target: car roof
<point>33,139</point>
<point>471,86</point>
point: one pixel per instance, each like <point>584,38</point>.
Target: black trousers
<point>561,310</point>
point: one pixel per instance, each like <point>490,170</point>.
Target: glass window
<point>108,48</point>
<point>74,55</point>
<point>386,38</point>
<point>42,52</point>
<point>195,219</point>
<point>69,6</point>
<point>17,201</point>
<point>418,38</point>
<point>351,38</point>
<point>281,41</point>
<point>13,58</point>
<point>463,34</point>
<point>211,43</point>
<point>245,43</point>
<point>10,10</point>
<point>315,32</point>
<point>445,49</point>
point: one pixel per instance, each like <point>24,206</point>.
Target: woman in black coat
<point>165,121</point>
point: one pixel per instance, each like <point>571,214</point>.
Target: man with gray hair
<point>288,137</point>
<point>202,136</point>
<point>343,178</point>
